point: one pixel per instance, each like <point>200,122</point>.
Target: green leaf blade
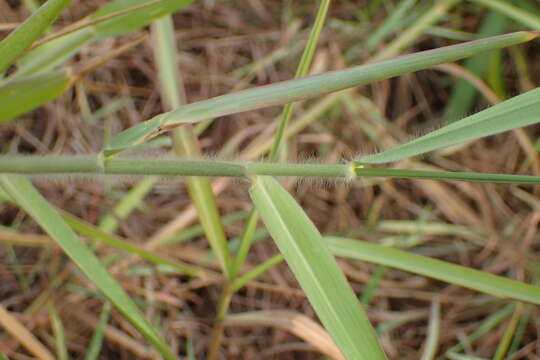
<point>111,240</point>
<point>29,31</point>
<point>133,136</point>
<point>135,19</point>
<point>316,270</point>
<point>463,94</point>
<point>29,199</point>
<point>518,111</point>
<point>433,268</point>
<point>361,170</point>
<point>311,86</point>
<point>92,353</point>
<point>53,53</point>
<point>519,15</point>
<point>58,50</point>
<point>20,96</point>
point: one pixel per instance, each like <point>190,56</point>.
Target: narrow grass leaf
<point>51,54</point>
<point>29,199</point>
<point>509,332</point>
<point>363,171</point>
<point>26,93</point>
<point>20,96</point>
<point>485,327</point>
<point>135,19</point>
<point>390,24</point>
<point>496,76</point>
<point>308,87</point>
<point>516,112</point>
<point>519,15</point>
<point>59,334</point>
<point>368,292</point>
<point>301,71</point>
<point>92,353</point>
<point>412,32</point>
<point>260,269</point>
<point>25,34</point>
<point>520,329</point>
<point>250,229</point>
<point>463,93</point>
<point>94,233</point>
<point>190,349</point>
<point>57,50</point>
<point>316,270</point>
<point>129,202</point>
<point>436,269</point>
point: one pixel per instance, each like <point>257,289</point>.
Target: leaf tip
<point>133,136</point>
<point>531,35</point>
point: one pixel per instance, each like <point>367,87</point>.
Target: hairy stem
<point>96,165</point>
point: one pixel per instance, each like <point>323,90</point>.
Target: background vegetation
<point>183,265</point>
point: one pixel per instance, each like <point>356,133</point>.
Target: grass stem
<point>93,165</point>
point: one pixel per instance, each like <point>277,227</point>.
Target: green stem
<point>170,167</point>
<point>247,237</point>
<point>217,330</point>
<point>241,281</point>
<point>50,164</point>
<point>315,170</point>
<point>174,167</point>
<point>93,165</point>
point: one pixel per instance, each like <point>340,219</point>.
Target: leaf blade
<point>20,96</point>
<point>52,53</point>
<point>113,19</point>
<point>519,111</point>
<point>307,87</point>
<point>26,33</point>
<point>515,13</point>
<point>316,270</point>
<point>433,268</point>
<point>28,198</point>
<point>135,19</point>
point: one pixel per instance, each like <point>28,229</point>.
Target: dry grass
<point>217,41</point>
